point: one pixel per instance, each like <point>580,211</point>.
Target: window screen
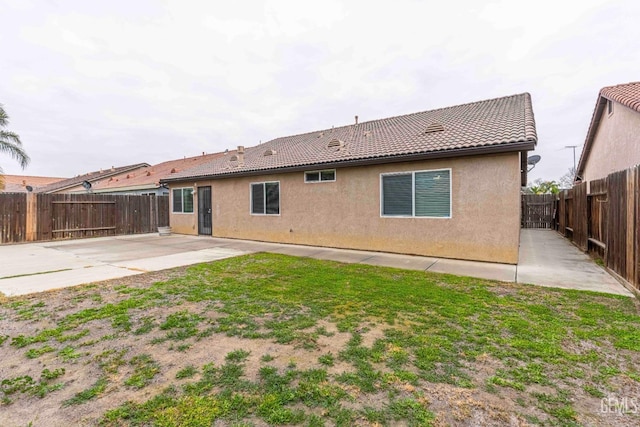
<point>187,200</point>
<point>312,176</point>
<point>320,176</point>
<point>257,198</point>
<point>177,200</point>
<point>328,175</point>
<point>433,196</point>
<point>272,198</point>
<point>182,200</point>
<point>417,194</point>
<point>265,198</point>
<point>396,195</point>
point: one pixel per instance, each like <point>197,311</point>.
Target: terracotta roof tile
<point>627,94</point>
<point>91,177</point>
<point>18,183</point>
<point>150,176</point>
<point>492,122</point>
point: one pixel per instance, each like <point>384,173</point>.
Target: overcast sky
<point>95,84</point>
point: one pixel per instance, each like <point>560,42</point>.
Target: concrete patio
<point>546,259</point>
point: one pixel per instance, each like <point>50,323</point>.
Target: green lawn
<point>282,340</point>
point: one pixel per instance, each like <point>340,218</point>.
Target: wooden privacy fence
<point>13,217</point>
<point>37,217</point>
<point>538,211</point>
<point>603,217</point>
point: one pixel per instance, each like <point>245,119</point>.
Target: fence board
<point>579,223</point>
<point>598,207</point>
<point>636,222</point>
<point>13,223</point>
<point>562,214</point>
<point>630,250</point>
<point>617,225</point>
<point>163,211</point>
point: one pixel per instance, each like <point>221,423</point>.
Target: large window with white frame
<point>328,175</point>
<point>265,198</point>
<point>425,194</point>
<point>182,200</point>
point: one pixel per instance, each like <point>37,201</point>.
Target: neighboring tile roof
<point>150,176</point>
<point>627,94</point>
<point>91,177</point>
<point>18,183</point>
<point>506,121</point>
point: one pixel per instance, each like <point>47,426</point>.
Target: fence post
<point>32,217</point>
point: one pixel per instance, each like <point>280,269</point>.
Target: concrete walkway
<point>545,259</point>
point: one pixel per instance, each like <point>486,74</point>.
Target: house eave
<point>521,146</point>
<point>92,179</point>
<point>591,134</point>
<point>121,189</point>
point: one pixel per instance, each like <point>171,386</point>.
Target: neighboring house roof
<point>19,183</point>
<point>91,177</point>
<point>495,125</point>
<point>148,177</point>
<point>627,94</point>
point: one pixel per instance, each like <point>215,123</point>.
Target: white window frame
<point>251,184</point>
<point>413,194</point>
<point>609,107</point>
<point>320,180</point>
<point>193,201</point>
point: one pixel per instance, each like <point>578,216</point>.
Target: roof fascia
<point>129,188</point>
<point>99,176</point>
<point>470,151</point>
<point>591,134</point>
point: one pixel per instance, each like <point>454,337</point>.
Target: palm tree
<point>10,143</point>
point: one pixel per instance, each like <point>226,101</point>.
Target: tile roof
<point>18,183</point>
<point>150,176</point>
<point>627,94</point>
<point>506,121</point>
<point>91,177</point>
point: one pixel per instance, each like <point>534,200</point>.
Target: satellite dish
<point>29,188</point>
<point>532,160</point>
<point>86,185</point>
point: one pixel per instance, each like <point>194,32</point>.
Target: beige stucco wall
<point>616,145</point>
<point>485,221</point>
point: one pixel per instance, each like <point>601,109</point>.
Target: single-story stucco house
<point>613,138</point>
<point>442,183</point>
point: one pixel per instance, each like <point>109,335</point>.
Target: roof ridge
<point>333,128</point>
<point>498,124</point>
<point>92,175</point>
